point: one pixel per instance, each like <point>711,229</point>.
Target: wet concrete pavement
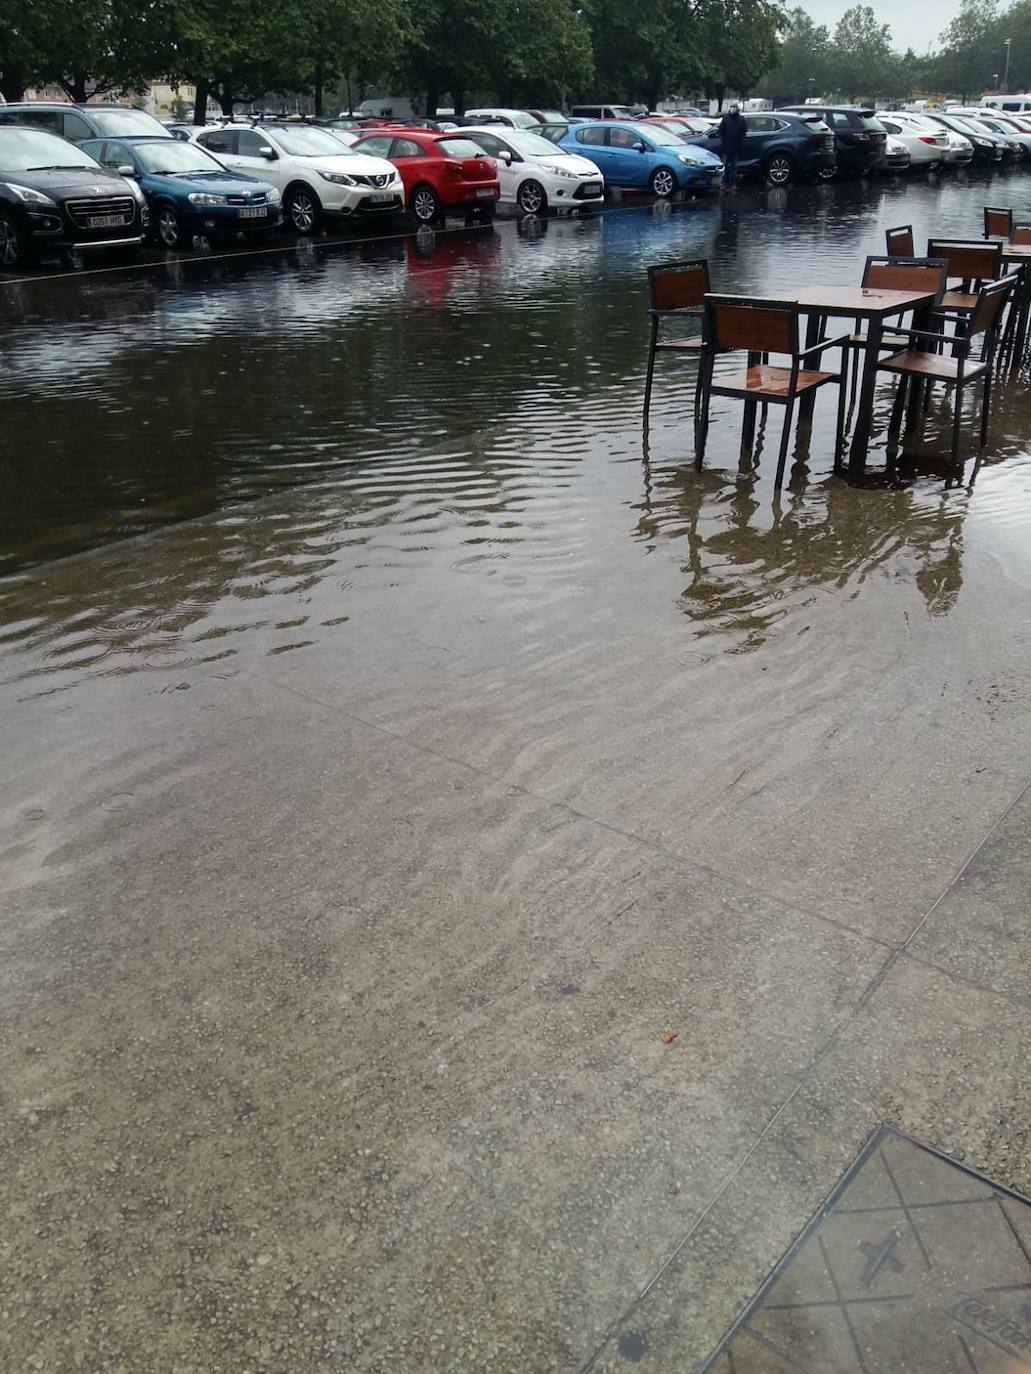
<point>363,833</point>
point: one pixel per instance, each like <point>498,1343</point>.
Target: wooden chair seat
<point>958,300</point>
<point>694,343</point>
<point>888,341</point>
<point>931,366</point>
<point>765,380</point>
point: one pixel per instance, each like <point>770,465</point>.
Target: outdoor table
<point>1017,255</point>
<point>858,303</point>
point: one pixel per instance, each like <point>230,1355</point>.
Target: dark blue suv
<point>780,147</point>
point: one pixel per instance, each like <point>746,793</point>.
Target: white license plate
<point>592,188</point>
<point>485,191</point>
<point>381,197</point>
<point>106,221</point>
<point>253,212</point>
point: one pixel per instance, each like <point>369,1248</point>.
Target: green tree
<point>89,47</point>
<point>971,49</point>
<point>862,54</point>
<point>803,65</point>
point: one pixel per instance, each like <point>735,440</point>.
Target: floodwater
<point>395,744</point>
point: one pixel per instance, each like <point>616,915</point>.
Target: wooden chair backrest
<point>990,301</point>
<point>899,241</point>
<point>907,274</point>
<point>758,326</point>
<point>1021,234</point>
<point>971,261</point>
<point>998,223</point>
<point>679,285</point>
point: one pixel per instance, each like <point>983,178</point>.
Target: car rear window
<point>871,123</point>
<point>816,123</point>
<point>459,147</point>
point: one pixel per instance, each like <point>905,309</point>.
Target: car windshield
<point>458,147</point>
<point>124,122</point>
<point>170,156</point>
<point>973,126</point>
<point>307,142</point>
<point>665,138</point>
<point>530,144</point>
<point>32,150</point>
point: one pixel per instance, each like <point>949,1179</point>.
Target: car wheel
<point>13,252</point>
<point>303,210</point>
<point>779,169</point>
<point>169,229</point>
<point>425,206</point>
<point>827,173</point>
<point>663,182</point>
<point>532,198</point>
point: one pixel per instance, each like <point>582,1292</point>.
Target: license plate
<point>253,212</point>
<point>592,188</point>
<point>106,221</point>
<point>485,190</point>
<point>381,197</point>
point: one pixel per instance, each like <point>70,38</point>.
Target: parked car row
<point>79,177</point>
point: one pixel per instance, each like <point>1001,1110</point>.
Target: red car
<point>441,172</point>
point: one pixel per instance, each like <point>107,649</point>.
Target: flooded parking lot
<point>396,747</point>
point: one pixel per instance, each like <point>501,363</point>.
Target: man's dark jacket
<point>732,133</point>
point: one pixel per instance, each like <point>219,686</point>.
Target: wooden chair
<point>998,223</point>
<point>899,242</point>
<point>973,263</point>
<point>959,371</point>
<point>741,324</point>
<point>1021,233</point>
<point>676,290</point>
<point>897,274</point>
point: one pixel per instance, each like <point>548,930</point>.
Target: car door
<point>250,159</point>
<point>629,166</point>
<point>759,134</point>
<point>509,171</point>
<point>591,142</point>
<point>220,142</point>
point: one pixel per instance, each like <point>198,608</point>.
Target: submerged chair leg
<point>957,418</point>
<point>785,439</point>
<point>651,368</point>
<point>986,405</point>
<point>839,433</point>
<point>701,429</point>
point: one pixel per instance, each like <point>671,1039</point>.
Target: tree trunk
<point>200,104</point>
<point>459,99</point>
<point>12,85</point>
<point>320,81</point>
<point>226,99</point>
<point>432,101</point>
<point>74,87</point>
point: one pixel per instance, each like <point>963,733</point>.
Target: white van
<point>1008,104</point>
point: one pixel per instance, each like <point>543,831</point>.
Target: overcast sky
<point>914,24</point>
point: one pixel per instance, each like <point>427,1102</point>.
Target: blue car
<point>645,156</point>
<point>189,191</point>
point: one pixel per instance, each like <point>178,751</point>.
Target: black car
<point>79,122</point>
<point>988,148</point>
<point>779,146</point>
<point>55,198</point>
<point>860,138</point>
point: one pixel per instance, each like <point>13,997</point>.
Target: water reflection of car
<point>535,174</point>
<point>54,198</point>
<point>441,172</point>
<point>644,156</point>
<point>779,147</point>
<point>189,192</point>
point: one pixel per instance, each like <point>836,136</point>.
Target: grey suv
<point>80,122</point>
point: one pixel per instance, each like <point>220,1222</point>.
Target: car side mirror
<point>640,147</point>
<point>268,153</point>
<point>505,156</point>
<point>127,171</point>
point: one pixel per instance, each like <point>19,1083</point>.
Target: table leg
<point>1023,311</point>
<point>864,410</point>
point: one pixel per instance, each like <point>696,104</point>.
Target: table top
<point>859,301</point>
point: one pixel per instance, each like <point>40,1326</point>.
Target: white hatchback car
<point>513,119</point>
<point>957,150</point>
<point>312,169</point>
<point>534,173</point>
<point>926,144</point>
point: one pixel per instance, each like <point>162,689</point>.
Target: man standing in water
<point>732,140</point>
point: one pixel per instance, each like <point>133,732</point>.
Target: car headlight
<point>273,196</point>
<point>29,196</point>
<point>691,161</point>
<point>137,190</point>
<point>983,142</point>
<point>559,171</point>
<point>338,178</point>
<point>206,198</point>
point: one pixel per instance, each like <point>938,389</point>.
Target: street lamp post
<point>1006,74</point>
